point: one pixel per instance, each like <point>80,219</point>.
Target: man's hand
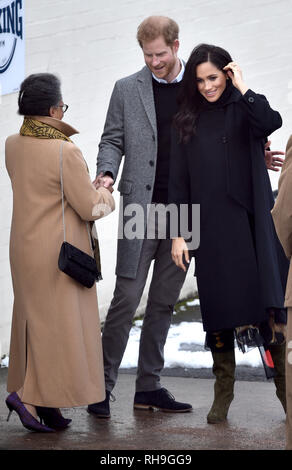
<point>272,161</point>
<point>178,250</point>
<point>105,181</point>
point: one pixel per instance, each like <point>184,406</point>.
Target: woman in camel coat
<point>282,215</point>
<point>55,352</point>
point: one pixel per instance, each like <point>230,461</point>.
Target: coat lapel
<point>145,87</point>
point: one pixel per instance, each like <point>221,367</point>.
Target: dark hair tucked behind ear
<point>190,100</point>
<point>38,92</point>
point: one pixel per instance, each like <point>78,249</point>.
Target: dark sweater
<point>165,99</point>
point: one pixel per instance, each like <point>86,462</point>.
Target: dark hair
<point>38,92</point>
<point>154,26</point>
<point>190,99</point>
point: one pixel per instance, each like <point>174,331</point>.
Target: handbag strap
<point>62,192</point>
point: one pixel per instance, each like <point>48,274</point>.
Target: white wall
<point>91,43</point>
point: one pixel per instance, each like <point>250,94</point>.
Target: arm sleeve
<point>179,181</point>
<point>111,146</point>
<point>282,211</point>
<point>263,119</point>
<point>88,202</point>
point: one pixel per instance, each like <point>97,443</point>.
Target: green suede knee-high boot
<point>278,353</point>
<point>223,369</point>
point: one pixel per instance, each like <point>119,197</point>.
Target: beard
<point>165,70</point>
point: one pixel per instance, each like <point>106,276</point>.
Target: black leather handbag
<point>72,261</point>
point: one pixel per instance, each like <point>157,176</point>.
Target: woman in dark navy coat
<point>218,162</point>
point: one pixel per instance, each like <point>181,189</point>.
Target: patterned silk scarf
<point>33,128</point>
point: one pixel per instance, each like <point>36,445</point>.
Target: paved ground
<point>256,422</point>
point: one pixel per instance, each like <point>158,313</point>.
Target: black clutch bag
<point>72,261</point>
<point>78,265</point>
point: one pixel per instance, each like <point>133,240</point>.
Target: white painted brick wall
<point>91,43</point>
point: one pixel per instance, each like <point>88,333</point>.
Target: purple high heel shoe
<point>52,417</point>
<point>14,403</point>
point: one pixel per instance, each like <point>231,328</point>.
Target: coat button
<point>251,99</point>
<point>224,140</point>
<point>153,137</point>
<point>151,163</point>
<point>148,187</point>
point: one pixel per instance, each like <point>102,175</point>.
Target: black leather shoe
<point>161,399</point>
<point>101,409</point>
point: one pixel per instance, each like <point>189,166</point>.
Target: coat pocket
<point>125,186</point>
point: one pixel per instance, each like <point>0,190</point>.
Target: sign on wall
<point>12,58</point>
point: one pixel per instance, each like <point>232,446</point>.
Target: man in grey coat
<point>138,126</point>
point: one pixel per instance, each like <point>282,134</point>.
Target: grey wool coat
<point>130,130</point>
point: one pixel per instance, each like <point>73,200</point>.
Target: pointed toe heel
<point>52,417</point>
<point>14,403</point>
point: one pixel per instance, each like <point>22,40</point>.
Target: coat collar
<point>234,95</point>
<point>145,87</point>
<point>57,124</point>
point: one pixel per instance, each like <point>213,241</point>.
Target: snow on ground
<point>4,361</point>
<point>184,348</point>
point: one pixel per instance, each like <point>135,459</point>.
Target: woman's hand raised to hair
<point>234,72</point>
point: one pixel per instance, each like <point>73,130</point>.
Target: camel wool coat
<point>282,215</point>
<point>55,349</point>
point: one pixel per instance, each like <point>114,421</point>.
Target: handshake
<point>104,180</point>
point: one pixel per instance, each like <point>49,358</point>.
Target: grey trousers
<point>165,287</point>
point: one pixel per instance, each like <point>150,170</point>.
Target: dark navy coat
<point>241,268</point>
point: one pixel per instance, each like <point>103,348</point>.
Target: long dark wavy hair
<point>190,99</point>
